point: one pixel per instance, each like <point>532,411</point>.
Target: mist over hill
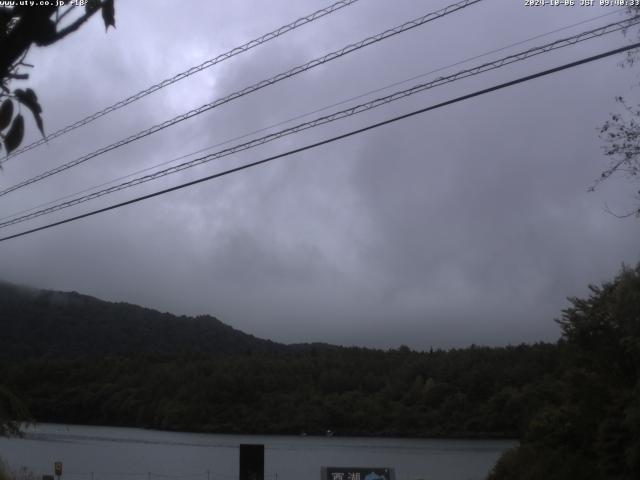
<point>43,323</point>
<point>76,359</point>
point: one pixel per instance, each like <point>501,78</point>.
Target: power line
<point>187,73</point>
<point>297,117</point>
<point>257,86</point>
<point>330,140</point>
<point>354,110</point>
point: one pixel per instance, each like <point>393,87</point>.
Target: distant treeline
<point>470,392</point>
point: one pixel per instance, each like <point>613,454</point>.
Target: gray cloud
<point>470,224</point>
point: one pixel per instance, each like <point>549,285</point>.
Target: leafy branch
<point>20,28</point>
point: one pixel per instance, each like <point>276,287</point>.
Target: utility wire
<point>257,86</point>
<point>297,117</point>
<point>357,109</point>
<point>330,140</point>
<point>187,73</point>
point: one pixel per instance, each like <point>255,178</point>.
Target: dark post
<point>251,462</point>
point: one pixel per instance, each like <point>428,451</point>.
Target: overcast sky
<point>468,224</point>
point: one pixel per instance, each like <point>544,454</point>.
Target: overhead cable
<point>329,140</point>
<point>298,117</point>
<point>245,91</point>
<point>354,110</point>
<point>187,73</point>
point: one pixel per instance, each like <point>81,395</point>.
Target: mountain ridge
<point>40,323</point>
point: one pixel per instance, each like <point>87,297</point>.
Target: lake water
<point>105,453</point>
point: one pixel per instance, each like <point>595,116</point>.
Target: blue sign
<point>357,473</point>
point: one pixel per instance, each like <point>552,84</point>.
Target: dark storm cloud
<point>470,224</point>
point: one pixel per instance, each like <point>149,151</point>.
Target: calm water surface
<point>105,453</point>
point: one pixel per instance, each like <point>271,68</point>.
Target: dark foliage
<point>472,393</point>
<point>12,413</point>
<point>47,324</point>
<point>21,27</point>
<point>589,426</point>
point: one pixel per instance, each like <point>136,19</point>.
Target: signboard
<point>57,468</point>
<point>251,462</point>
<point>357,473</point>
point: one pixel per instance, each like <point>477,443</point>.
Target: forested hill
<point>44,323</point>
<point>575,404</point>
<point>74,358</point>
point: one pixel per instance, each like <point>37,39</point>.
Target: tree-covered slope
<point>42,323</point>
<point>74,358</point>
<point>473,392</point>
<point>588,425</point>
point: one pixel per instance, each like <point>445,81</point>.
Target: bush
<point>4,471</point>
<point>23,473</point>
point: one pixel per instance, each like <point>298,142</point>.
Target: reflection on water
<point>107,453</point>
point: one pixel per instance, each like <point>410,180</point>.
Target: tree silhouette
<point>621,136</point>
<point>21,27</point>
<point>12,412</point>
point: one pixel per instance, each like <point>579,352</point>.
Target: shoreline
<point>65,427</point>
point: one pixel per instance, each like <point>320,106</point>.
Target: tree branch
<point>73,26</point>
<point>21,60</point>
<point>624,215</point>
<point>64,14</point>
